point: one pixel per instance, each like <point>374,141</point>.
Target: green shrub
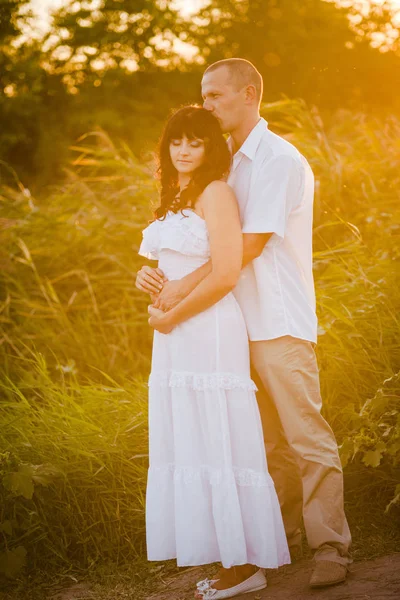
<point>73,473</point>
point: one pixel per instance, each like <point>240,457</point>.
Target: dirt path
<point>377,579</point>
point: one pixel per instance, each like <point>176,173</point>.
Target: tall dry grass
<point>75,345</point>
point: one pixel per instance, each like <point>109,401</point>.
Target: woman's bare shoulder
<point>217,198</point>
<point>217,187</point>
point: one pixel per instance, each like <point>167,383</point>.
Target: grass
<point>75,348</point>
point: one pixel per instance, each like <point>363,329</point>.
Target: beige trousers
<point>301,448</point>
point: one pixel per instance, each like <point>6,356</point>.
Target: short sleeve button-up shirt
<point>274,186</point>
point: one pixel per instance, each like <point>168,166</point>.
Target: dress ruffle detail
<point>148,247</point>
<point>201,381</point>
<point>176,232</point>
<point>242,477</point>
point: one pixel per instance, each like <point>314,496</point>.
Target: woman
<point>209,495</point>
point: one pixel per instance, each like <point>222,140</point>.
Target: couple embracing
<point>233,309</point>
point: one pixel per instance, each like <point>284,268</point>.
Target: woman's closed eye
<point>192,143</point>
<point>196,144</point>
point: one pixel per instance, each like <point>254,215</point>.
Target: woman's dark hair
<point>194,122</point>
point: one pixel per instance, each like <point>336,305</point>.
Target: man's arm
<point>175,291</point>
<point>253,245</point>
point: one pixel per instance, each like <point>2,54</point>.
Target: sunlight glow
<point>42,10</point>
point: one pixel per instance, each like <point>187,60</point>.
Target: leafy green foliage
<point>88,502</point>
<point>10,11</point>
<point>303,49</point>
<point>12,561</point>
<point>375,436</point>
<point>81,75</point>
<point>20,482</point>
<point>112,34</point>
<point>69,261</point>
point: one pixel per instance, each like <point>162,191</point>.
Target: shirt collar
<point>251,143</point>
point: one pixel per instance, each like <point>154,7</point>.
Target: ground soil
<point>377,579</point>
<point>368,579</point>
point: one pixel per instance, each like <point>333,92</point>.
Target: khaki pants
<point>301,448</point>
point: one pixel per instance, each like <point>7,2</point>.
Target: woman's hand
<point>150,280</point>
<point>159,320</point>
<point>171,294</point>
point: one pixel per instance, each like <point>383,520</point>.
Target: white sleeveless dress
<point>209,495</point>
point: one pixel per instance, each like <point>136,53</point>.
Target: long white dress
<point>209,495</point>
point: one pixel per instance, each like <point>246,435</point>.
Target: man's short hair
<point>242,72</point>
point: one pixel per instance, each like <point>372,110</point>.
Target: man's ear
<point>250,94</point>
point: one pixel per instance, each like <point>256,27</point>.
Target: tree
<point>32,103</point>
<point>305,49</point>
<point>96,36</point>
<point>9,13</point>
<point>377,23</point>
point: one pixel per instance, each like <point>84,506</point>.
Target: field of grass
<point>75,346</point>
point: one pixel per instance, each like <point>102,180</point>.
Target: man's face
<point>223,99</point>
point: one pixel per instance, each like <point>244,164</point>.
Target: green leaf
<point>394,449</point>
<point>46,474</point>
<point>12,561</point>
<point>6,527</point>
<point>20,482</point>
<point>372,458</point>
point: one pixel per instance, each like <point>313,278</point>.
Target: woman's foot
<point>228,578</point>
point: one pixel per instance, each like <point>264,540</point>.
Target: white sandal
<point>254,583</point>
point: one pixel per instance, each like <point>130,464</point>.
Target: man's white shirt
<point>274,186</point>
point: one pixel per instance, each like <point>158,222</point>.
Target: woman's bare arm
<point>221,214</point>
<point>173,292</point>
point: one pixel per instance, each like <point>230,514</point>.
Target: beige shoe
<point>327,572</point>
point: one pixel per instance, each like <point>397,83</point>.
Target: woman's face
<point>187,154</point>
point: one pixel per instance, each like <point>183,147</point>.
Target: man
<point>274,187</point>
